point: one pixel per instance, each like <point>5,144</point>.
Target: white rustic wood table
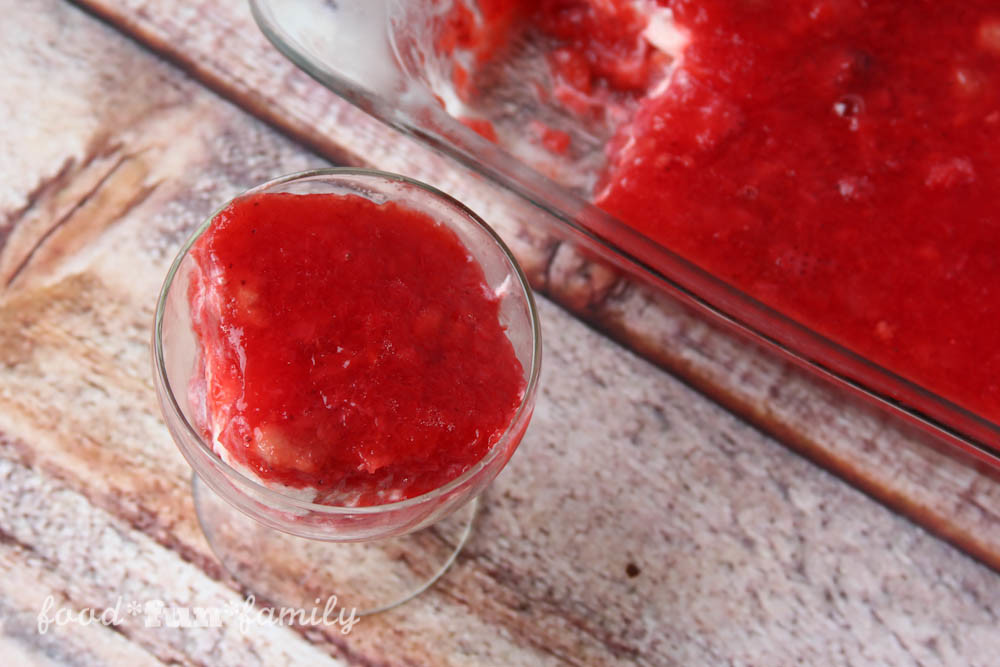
<point>639,523</point>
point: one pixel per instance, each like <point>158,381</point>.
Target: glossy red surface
<point>348,346</point>
<point>836,159</point>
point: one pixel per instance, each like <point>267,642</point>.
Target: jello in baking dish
<point>838,160</point>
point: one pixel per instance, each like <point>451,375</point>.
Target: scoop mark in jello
<point>837,160</point>
<point>347,346</point>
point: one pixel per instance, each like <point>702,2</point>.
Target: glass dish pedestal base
<point>284,570</point>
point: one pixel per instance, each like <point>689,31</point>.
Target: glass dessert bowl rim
<point>515,426</point>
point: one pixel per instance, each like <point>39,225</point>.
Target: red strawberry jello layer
<point>350,352</point>
<point>838,160</point>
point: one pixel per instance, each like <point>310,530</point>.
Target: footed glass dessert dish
<point>297,511</point>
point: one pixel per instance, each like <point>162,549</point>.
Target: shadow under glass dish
<point>293,552</point>
<point>398,80</point>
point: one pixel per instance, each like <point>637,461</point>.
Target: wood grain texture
<point>218,43</point>
<point>638,524</point>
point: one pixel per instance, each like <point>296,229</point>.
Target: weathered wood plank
<point>25,582</point>
<point>106,559</point>
<point>638,524</point>
<point>218,43</point>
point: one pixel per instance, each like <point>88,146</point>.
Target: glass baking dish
<point>379,55</point>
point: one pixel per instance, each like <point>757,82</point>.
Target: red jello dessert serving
<point>836,159</point>
<point>350,352</point>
